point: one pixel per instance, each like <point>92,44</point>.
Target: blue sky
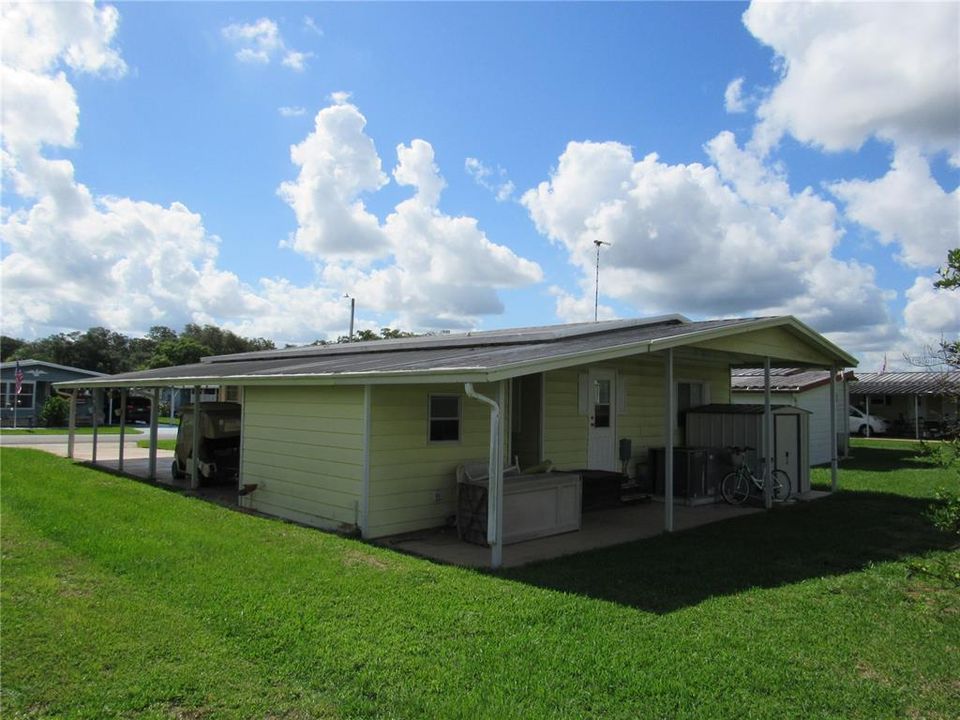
<point>806,162</point>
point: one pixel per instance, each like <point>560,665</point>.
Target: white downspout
<point>669,421</point>
<point>833,428</point>
<point>767,438</point>
<point>495,480</point>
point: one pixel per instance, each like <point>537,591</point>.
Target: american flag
<point>18,376</point>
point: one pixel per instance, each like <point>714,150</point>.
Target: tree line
<point>107,351</point>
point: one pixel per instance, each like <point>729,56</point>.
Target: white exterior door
<point>602,408</point>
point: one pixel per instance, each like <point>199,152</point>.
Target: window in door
<point>601,403</point>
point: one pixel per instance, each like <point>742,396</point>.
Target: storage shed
<point>722,426</point>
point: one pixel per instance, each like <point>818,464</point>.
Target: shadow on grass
<point>833,536</point>
<point>887,459</point>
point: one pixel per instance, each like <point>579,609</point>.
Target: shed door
<point>787,446</point>
<point>601,451</point>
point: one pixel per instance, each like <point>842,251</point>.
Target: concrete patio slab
<point>599,528</point>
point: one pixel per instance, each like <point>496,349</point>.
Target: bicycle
<point>736,486</point>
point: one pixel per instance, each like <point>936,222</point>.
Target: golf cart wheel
<point>176,472</point>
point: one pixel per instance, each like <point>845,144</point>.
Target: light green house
<point>367,436</point>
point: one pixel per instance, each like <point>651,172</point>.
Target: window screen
<point>444,418</point>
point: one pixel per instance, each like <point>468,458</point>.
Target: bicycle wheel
<point>781,486</point>
<point>735,488</point>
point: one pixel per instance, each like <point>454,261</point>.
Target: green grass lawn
<point>164,444</point>
<point>85,430</point>
<point>123,600</point>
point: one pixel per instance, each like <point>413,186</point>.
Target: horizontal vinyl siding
<point>303,448</point>
<point>642,421</point>
<point>565,429</point>
<point>413,481</point>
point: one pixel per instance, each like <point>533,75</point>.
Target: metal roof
<point>33,363</point>
<point>907,383</point>
<point>469,357</point>
<point>781,379</point>
<point>729,409</point>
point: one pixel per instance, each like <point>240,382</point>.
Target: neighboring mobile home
<point>915,404</point>
<point>805,389</point>
<point>37,385</point>
<point>368,435</point>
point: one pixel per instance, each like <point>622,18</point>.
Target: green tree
<point>182,351</point>
<point>9,346</point>
<point>224,342</point>
<point>945,511</point>
<point>950,273</point>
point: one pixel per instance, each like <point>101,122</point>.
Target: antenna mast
<point>596,293</point>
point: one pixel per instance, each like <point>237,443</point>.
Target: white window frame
<point>431,418</point>
<point>9,390</point>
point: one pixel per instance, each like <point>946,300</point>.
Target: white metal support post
<point>833,429</point>
<point>668,422</point>
<point>867,427</point>
<point>123,425</point>
<point>72,431</point>
<point>154,416</point>
<point>195,441</point>
<point>94,424</point>
<point>767,438</point>
<point>916,416</point>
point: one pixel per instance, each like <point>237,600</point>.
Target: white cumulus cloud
<point>907,207</point>
<point>849,71</point>
<point>261,41</point>
<point>709,240</point>
<point>427,269</point>
<point>496,181</point>
<point>733,97</point>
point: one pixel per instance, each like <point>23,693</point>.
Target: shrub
<point>945,511</point>
<point>55,411</point>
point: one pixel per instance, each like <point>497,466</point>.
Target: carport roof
<point>788,380</point>
<point>469,357</point>
<point>907,383</point>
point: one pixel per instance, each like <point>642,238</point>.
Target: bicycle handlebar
<point>739,450</point>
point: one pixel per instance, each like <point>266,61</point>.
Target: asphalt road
<point>163,431</point>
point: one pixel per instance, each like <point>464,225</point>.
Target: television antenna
<point>596,293</point>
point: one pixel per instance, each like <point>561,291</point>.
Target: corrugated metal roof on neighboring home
<point>781,379</point>
<point>726,409</point>
<point>472,357</point>
<point>907,383</point>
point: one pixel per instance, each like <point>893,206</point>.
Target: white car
<point>859,422</point>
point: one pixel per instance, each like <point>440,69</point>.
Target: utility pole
<point>596,294</point>
<point>353,306</point>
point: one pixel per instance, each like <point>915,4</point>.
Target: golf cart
<point>218,446</point>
